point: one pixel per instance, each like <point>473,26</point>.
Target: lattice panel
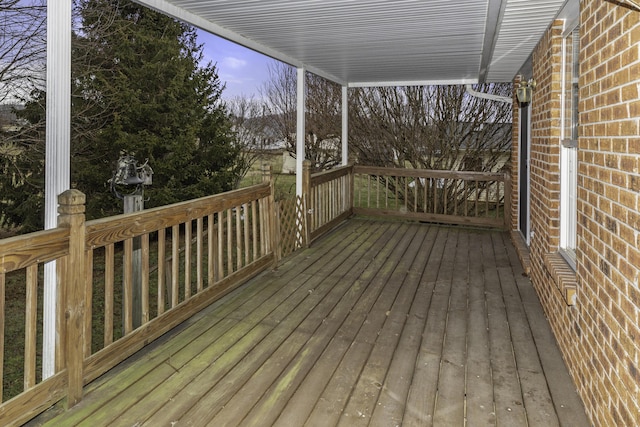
<point>292,225</point>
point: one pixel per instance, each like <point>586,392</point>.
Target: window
<point>569,146</point>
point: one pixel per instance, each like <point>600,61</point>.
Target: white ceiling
<point>381,42</point>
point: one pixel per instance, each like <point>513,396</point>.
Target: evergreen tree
<point>138,88</point>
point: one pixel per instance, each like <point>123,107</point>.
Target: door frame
<point>524,136</point>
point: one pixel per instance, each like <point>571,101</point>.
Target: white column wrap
<point>345,125</point>
<point>300,129</point>
<point>57,158</point>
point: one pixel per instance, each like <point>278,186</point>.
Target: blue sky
<point>241,69</point>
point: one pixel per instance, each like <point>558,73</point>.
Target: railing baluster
<point>247,248</point>
<point>221,222</point>
<point>466,197</point>
<point>254,228</point>
<point>175,265</point>
<point>238,239</point>
<point>127,281</point>
<point>455,197</point>
<point>415,194</point>
<point>109,273</point>
<point>211,256</point>
<point>31,326</point>
<point>88,300</point>
<point>486,199</point>
<point>199,254</point>
<point>162,274</point>
<point>212,270</point>
<point>229,241</point>
<point>144,283</point>
<point>187,260</point>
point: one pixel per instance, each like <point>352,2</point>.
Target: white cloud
<point>233,63</point>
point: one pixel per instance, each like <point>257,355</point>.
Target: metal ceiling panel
<point>523,24</point>
<point>376,42</point>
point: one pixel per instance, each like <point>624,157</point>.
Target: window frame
<point>569,142</point>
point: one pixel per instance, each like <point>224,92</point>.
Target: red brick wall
<point>600,335</point>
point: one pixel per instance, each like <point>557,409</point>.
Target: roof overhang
<point>378,42</point>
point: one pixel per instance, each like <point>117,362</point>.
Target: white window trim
<point>568,170</point>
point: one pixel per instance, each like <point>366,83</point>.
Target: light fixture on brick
<point>523,92</point>
<point>635,4</point>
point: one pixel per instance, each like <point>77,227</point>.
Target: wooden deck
<point>379,323</point>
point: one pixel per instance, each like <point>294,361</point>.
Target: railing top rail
<point>42,246</point>
<point>330,175</point>
<point>429,173</point>
<point>117,228</point>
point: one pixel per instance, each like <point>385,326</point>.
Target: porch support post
<point>72,207</point>
<point>300,129</point>
<point>345,126</point>
<point>57,157</point>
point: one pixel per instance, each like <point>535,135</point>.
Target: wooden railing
<point>329,198</point>
<point>449,197</point>
<point>124,281</point>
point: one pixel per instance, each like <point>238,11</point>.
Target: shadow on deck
<point>379,323</point>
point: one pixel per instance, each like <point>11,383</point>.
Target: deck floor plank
<point>222,392</point>
<point>277,396</point>
<point>423,391</point>
<point>386,320</point>
<point>507,394</point>
<point>535,392</point>
<point>380,269</point>
<point>276,378</point>
<point>380,323</point>
<point>480,409</point>
<point>566,403</point>
<point>286,317</point>
<point>451,380</point>
<point>395,389</point>
<point>322,377</point>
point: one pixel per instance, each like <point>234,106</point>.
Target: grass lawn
<point>285,184</point>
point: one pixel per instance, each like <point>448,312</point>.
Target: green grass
<point>284,184</point>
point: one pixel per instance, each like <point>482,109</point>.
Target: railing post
<point>273,236</point>
<point>71,215</point>
<point>307,204</point>
<point>352,186</point>
<point>507,201</point>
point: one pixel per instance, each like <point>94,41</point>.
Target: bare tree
<point>431,127</point>
<point>251,133</point>
<point>322,113</point>
<point>22,48</point>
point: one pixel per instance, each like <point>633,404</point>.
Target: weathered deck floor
<point>379,323</point>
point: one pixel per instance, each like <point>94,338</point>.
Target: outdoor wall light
<point>128,173</point>
<point>524,91</point>
<point>632,3</point>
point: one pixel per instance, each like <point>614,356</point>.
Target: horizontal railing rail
<point>450,197</point>
<point>123,282</point>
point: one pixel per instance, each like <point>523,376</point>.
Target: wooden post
<point>507,201</point>
<point>273,234</point>
<point>352,187</point>
<point>133,203</point>
<point>71,215</point>
<point>306,201</point>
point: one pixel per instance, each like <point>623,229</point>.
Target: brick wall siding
<point>600,336</point>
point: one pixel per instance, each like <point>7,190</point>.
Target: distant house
<point>9,121</point>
